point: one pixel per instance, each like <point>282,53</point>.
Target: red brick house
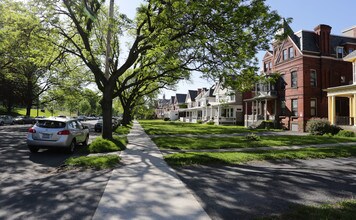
<point>308,62</point>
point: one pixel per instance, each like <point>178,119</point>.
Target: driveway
<point>266,188</point>
<point>32,186</point>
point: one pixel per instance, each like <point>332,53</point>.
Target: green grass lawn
<point>341,210</point>
<point>22,111</point>
<point>96,162</point>
<point>176,127</point>
<point>230,158</point>
<point>196,143</point>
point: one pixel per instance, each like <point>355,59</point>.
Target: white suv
<point>57,132</point>
<point>6,119</point>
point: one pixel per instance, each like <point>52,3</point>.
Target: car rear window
<point>50,124</point>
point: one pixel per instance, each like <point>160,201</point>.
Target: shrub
<point>268,124</point>
<point>166,119</point>
<point>344,133</point>
<point>252,137</point>
<point>100,145</point>
<point>210,122</point>
<point>334,129</point>
<point>321,126</point>
<point>199,121</point>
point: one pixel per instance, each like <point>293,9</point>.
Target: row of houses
<point>317,79</point>
<point>217,104</point>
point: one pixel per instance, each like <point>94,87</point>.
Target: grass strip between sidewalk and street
<point>199,143</point>
<point>340,210</point>
<point>230,158</point>
<point>99,145</point>
<point>96,162</point>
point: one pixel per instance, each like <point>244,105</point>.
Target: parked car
<point>6,119</point>
<point>57,132</point>
<point>99,125</point>
<point>24,120</point>
<point>82,118</point>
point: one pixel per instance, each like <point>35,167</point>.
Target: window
<point>282,82</point>
<point>313,107</point>
<point>351,50</point>
<point>339,52</point>
<point>223,113</point>
<point>285,54</point>
<point>291,52</point>
<point>266,66</point>
<point>283,107</point>
<point>313,78</point>
<point>270,65</point>
<point>295,107</point>
<point>294,79</point>
<point>232,97</point>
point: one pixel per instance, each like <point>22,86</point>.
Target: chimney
<point>323,40</point>
<point>350,32</point>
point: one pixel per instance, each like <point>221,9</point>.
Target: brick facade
<point>305,54</point>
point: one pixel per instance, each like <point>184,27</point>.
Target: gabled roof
<point>180,98</point>
<point>307,41</point>
<point>351,57</point>
<point>192,94</point>
<point>163,102</point>
<point>210,92</point>
<point>172,100</point>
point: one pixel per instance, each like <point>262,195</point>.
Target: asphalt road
<point>32,186</point>
<point>265,188</point>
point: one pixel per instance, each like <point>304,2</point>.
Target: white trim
<point>295,46</point>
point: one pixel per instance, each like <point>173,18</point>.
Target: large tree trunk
<point>126,116</point>
<point>106,105</point>
<point>28,108</point>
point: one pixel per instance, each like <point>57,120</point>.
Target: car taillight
<point>31,130</point>
<point>64,132</point>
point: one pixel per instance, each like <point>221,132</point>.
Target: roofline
<point>347,29</point>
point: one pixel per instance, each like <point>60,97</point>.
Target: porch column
<point>211,113</point>
<point>246,113</point>
<point>275,109</point>
<point>218,116</point>
<point>354,109</point>
<point>351,110</point>
<point>331,109</point>
<point>266,109</point>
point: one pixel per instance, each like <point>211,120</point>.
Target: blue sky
<point>306,14</point>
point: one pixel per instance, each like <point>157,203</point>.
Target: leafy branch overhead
<point>170,39</point>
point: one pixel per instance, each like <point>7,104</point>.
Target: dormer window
<point>291,52</point>
<point>285,55</point>
<point>339,52</point>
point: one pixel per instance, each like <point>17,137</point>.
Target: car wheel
<point>71,147</point>
<point>2,123</point>
<point>33,149</point>
<point>85,143</point>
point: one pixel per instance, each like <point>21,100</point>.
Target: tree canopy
<point>170,38</point>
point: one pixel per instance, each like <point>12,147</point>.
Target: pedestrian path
<point>145,187</point>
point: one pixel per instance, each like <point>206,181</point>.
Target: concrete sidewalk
<point>146,187</point>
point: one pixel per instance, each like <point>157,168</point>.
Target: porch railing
<point>344,120</point>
